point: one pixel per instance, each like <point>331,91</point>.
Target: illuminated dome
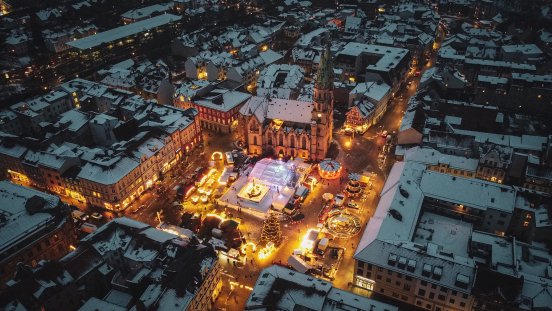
<point>329,169</point>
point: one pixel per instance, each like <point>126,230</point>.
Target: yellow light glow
<point>72,248</point>
<point>244,247</point>
<point>265,253</point>
<point>216,153</point>
<point>348,144</point>
<point>381,10</point>
<point>352,79</point>
<point>264,48</point>
<point>202,75</point>
<point>308,244</point>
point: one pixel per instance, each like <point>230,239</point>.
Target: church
<point>292,128</point>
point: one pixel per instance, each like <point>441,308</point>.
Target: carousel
<point>354,188</point>
<point>329,169</point>
<point>342,224</point>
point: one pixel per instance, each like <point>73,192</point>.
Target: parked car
<point>352,205</point>
<point>97,216</point>
<point>339,199</point>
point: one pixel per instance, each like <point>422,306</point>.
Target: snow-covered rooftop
<point>16,222</point>
<point>123,31</point>
<point>285,289</point>
<point>390,57</point>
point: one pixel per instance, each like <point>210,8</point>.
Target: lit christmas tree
<point>271,230</point>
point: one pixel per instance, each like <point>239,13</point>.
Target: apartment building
<point>125,265</point>
<point>371,62</point>
<point>35,226</point>
<point>415,248</point>
<point>131,143</point>
<point>285,289</point>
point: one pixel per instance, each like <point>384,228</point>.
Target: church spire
<point>324,76</point>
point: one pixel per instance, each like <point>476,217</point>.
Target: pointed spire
<point>324,76</point>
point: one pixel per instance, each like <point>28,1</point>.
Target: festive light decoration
<point>271,231</point>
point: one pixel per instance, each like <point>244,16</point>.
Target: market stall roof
<point>329,165</point>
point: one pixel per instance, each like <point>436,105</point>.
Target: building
<point>118,42</point>
<point>280,81</point>
<point>34,226</point>
<point>137,15</point>
<point>292,128</point>
<point>218,103</point>
<point>284,289</point>
<point>124,265</point>
<point>370,62</point>
<point>367,102</point>
<point>538,178</point>
<point>418,246</point>
<point>56,40</point>
<point>219,109</point>
<point>106,156</point>
<point>443,163</point>
<point>494,162</point>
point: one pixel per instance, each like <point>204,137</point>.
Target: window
<point>431,295</point>
<point>304,142</point>
<point>406,286</point>
<point>424,283</point>
<point>378,277</point>
<point>369,266</point>
<point>403,297</point>
<point>360,271</point>
<point>454,293</point>
<point>408,278</point>
<point>398,283</point>
<point>462,304</point>
<point>388,280</point>
<point>465,296</point>
<point>434,286</point>
<point>500,222</point>
<point>389,272</point>
<point>399,276</point>
<point>451,300</point>
<point>441,297</point>
<point>421,292</point>
<point>443,289</point>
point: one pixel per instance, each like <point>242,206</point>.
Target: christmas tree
<point>271,230</point>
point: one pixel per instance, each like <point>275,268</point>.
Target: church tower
<point>323,84</point>
<point>322,114</point>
